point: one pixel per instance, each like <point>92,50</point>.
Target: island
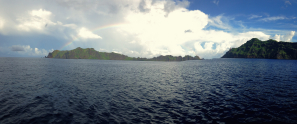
<point>91,53</point>
<point>269,49</point>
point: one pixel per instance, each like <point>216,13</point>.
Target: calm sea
<point>39,90</point>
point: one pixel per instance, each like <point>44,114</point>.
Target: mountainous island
<point>90,53</point>
<point>269,49</point>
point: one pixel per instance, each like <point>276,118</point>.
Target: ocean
<point>40,90</point>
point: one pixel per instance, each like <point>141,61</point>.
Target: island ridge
<point>270,49</point>
<point>91,53</point>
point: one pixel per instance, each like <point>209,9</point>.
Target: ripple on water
<point>96,91</point>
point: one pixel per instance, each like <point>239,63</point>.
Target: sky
<point>142,28</point>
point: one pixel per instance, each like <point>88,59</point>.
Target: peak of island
<point>91,53</point>
<point>270,49</point>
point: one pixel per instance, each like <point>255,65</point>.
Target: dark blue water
<point>38,90</point>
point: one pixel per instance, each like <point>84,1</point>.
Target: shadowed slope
<point>90,53</point>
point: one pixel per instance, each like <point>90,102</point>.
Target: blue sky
<point>273,14</point>
<point>142,28</point>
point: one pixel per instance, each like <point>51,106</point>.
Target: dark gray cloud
<point>17,48</point>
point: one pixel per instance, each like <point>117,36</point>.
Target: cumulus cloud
<point>85,33</point>
<point>138,28</point>
<point>161,35</point>
<point>35,21</point>
<point>287,37</point>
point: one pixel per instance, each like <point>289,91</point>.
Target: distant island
<point>90,53</point>
<point>269,49</point>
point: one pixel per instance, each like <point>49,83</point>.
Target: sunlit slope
<point>269,49</point>
<point>90,53</point>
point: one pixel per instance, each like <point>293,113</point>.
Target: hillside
<point>90,53</point>
<point>269,49</point>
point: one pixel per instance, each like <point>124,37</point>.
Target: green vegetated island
<point>269,49</point>
<point>91,53</point>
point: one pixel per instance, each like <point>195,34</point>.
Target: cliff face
<point>90,53</point>
<point>269,49</point>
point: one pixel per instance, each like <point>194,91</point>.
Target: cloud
<point>161,35</point>
<point>287,37</point>
<point>35,21</point>
<point>274,18</point>
<point>287,3</point>
<point>21,48</point>
<point>27,50</point>
<point>142,6</point>
<point>217,22</point>
<point>1,23</point>
<point>17,48</point>
<point>138,28</point>
<point>254,16</point>
<point>85,33</point>
<point>170,6</point>
<point>216,2</point>
<point>188,31</point>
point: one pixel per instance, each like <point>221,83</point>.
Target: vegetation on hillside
<point>269,49</point>
<point>90,53</point>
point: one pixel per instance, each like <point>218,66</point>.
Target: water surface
<point>39,90</point>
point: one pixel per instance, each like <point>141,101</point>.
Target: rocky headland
<point>91,53</point>
<point>269,49</point>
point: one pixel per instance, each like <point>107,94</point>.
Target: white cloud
<point>138,28</point>
<point>37,51</point>
<point>36,20</point>
<point>41,13</point>
<point>254,16</point>
<point>85,33</point>
<point>273,18</point>
<point>1,23</point>
<point>287,37</point>
<point>217,22</point>
<point>288,3</point>
<point>163,35</point>
<point>216,2</point>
